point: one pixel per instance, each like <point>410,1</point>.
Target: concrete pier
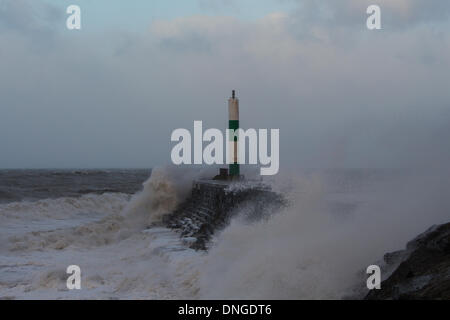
<point>213,204</point>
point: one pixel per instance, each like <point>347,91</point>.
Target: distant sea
<point>30,185</point>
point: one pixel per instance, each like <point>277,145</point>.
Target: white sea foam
<point>63,208</point>
<point>303,251</point>
<point>106,235</point>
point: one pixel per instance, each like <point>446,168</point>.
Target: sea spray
<point>309,251</point>
<point>167,187</point>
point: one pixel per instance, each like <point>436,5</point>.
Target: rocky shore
<point>423,271</point>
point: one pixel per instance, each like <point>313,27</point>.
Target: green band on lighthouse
<point>233,124</point>
<point>234,167</point>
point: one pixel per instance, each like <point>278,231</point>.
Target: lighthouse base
<point>224,176</point>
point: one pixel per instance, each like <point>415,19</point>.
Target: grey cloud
<point>28,17</point>
<point>193,42</point>
<point>114,99</point>
<point>218,5</point>
<point>352,13</point>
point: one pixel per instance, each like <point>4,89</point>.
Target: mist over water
<point>310,251</point>
<point>337,222</point>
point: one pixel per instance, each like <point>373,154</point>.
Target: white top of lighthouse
<point>233,107</point>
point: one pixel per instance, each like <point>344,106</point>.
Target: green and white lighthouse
<point>233,124</point>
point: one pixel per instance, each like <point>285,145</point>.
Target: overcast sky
<point>110,94</point>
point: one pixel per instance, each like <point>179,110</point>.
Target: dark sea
<point>31,185</point>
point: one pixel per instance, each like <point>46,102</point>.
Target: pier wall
<point>213,204</point>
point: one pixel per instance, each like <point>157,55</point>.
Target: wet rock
<point>424,271</point>
<point>392,258</point>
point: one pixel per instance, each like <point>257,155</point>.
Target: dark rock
<point>424,271</point>
<point>394,257</point>
<point>212,205</point>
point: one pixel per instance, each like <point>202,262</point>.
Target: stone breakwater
<point>423,270</point>
<point>213,204</point>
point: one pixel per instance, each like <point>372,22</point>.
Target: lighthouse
<point>233,124</point>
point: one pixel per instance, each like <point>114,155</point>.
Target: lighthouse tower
<point>233,124</point>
